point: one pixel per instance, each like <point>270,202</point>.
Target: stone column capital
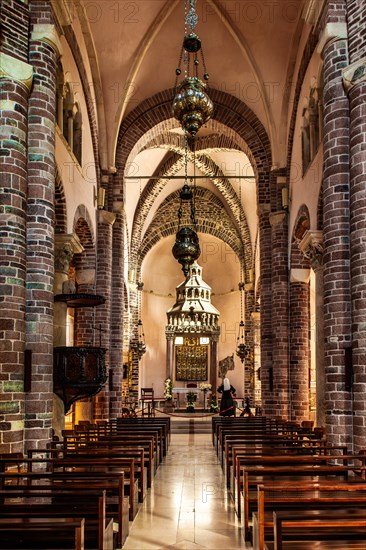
<point>263,208</point>
<point>354,74</point>
<point>47,33</point>
<point>16,70</point>
<point>106,217</point>
<point>276,218</point>
<point>66,245</point>
<point>299,275</point>
<point>312,248</point>
<point>331,33</point>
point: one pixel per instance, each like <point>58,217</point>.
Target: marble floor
<point>188,506</point>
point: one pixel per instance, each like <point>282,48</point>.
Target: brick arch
<point>82,212</point>
<point>219,141</point>
<point>86,259</point>
<point>212,219</point>
<point>228,110</point>
<point>60,205</point>
<point>301,225</point>
<point>171,165</point>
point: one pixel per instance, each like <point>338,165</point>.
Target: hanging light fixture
<point>241,348</point>
<point>192,107</point>
<point>186,248</point>
<point>140,346</point>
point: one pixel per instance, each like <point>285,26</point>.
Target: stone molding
<point>263,208</point>
<point>312,248</point>
<point>354,74</point>
<point>331,33</point>
<point>16,70</point>
<point>104,216</point>
<point>299,275</point>
<point>47,33</point>
<point>275,218</point>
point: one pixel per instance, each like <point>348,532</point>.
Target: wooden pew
<point>131,463</point>
<point>30,502</point>
<point>302,473</point>
<point>289,460</point>
<point>240,453</point>
<point>335,525</point>
<point>78,483</point>
<point>304,497</point>
<point>234,449</point>
<point>232,422</point>
<point>87,468</point>
<point>17,533</point>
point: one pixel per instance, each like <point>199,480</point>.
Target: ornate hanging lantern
<point>241,348</point>
<point>191,106</point>
<point>139,346</point>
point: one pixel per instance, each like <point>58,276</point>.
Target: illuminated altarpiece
<point>192,332</point>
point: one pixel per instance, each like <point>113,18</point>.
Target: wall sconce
<point>285,198</point>
<point>101,198</point>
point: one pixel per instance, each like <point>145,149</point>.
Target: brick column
<point>214,360</point>
<point>249,341</point>
<point>116,353</point>
<point>256,323</point>
<point>280,397</point>
<point>265,239</point>
<point>337,304</point>
<point>299,344</point>
<point>15,84</point>
<point>355,83</point>
<point>43,53</point>
<point>312,248</point>
<point>103,312</point>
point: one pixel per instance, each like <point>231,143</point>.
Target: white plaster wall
<point>79,181</point>
<point>305,189</point>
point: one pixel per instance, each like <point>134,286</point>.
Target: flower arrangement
<point>190,402</point>
<point>214,407</point>
<point>205,386</point>
<point>168,389</point>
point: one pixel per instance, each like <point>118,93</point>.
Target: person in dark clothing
<point>227,402</point>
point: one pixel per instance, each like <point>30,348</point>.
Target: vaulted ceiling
<point>250,52</point>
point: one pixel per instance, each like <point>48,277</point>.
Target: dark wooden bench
<point>304,497</point>
<point>302,473</point>
<point>240,453</point>
<point>318,525</point>
<point>85,468</point>
<point>18,533</point>
<point>30,503</point>
<point>235,449</point>
<point>77,483</point>
<point>289,462</point>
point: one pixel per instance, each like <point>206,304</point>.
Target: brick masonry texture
<point>299,351</point>
<point>40,232</point>
<point>14,97</point>
<point>357,98</point>
<point>14,21</point>
<point>337,319</point>
<point>103,312</point>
